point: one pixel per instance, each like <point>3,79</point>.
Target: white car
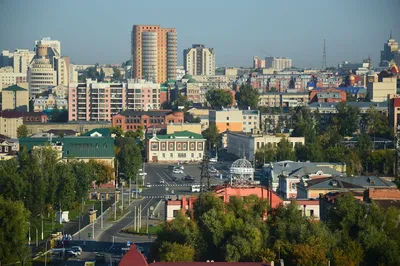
<point>162,181</point>
<point>76,248</point>
<point>213,160</point>
<point>148,185</point>
<point>177,171</point>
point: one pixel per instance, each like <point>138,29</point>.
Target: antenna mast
<point>324,57</point>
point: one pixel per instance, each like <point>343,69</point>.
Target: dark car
<point>189,178</point>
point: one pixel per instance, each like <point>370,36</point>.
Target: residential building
<point>246,145</point>
<point>49,102</point>
<point>99,132</point>
<point>53,44</point>
<point>184,204</point>
<point>60,91</point>
<point>258,63</point>
<point>235,120</point>
<point>8,148</point>
<point>94,101</point>
<point>131,120</point>
<point>71,148</point>
<point>394,111</point>
<point>180,72</point>
<point>275,122</point>
<point>291,171</point>
<point>15,98</point>
<point>278,63</point>
<point>175,147</point>
<point>191,127</point>
<point>315,188</point>
<point>153,52</point>
<point>309,207</point>
<point>142,95</point>
<point>78,126</point>
<point>11,120</point>
<point>19,60</point>
<point>9,78</point>
<point>378,91</point>
<point>288,99</point>
<point>328,109</point>
<point>199,60</point>
<point>327,95</point>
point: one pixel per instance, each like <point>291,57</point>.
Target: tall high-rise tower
<point>153,52</point>
<point>199,60</point>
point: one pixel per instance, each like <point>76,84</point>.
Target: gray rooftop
<point>359,182</point>
<point>355,104</point>
<point>300,169</point>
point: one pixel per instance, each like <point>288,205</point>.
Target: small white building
<point>49,102</point>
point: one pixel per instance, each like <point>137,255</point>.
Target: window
<point>6,149</point>
<point>171,146</point>
<point>227,124</point>
<point>163,155</point>
<point>163,146</point>
<point>179,146</point>
<point>200,146</point>
<point>227,118</point>
<point>171,155</point>
<point>154,146</point>
<point>192,146</point>
<point>181,155</point>
<point>184,146</point>
<point>192,155</point>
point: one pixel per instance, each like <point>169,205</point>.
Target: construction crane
<point>265,53</point>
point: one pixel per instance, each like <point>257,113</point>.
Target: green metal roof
<point>104,131</point>
<point>187,76</point>
<point>14,88</point>
<point>192,80</point>
<point>76,147</point>
<point>181,134</point>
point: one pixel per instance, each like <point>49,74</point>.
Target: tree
<point>12,185</point>
<point>284,150</point>
<point>116,74</point>
<point>102,172</point>
<point>219,98</point>
<point>212,135</point>
<point>247,96</point>
<point>66,186</point>
<point>117,131</point>
<point>130,160</point>
<point>84,174</point>
<point>180,102</point>
<point>265,154</point>
<point>347,119</point>
<point>174,252</point>
<point>13,231</point>
<point>307,254</point>
<point>191,119</point>
<point>22,131</point>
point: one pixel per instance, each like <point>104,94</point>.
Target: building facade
<point>93,101</point>
<point>179,146</point>
<point>394,111</point>
<point>19,60</point>
<point>246,145</point>
<point>390,51</point>
<point>15,98</point>
<point>379,90</point>
<point>154,53</point>
<point>278,63</point>
<point>8,77</point>
<point>131,120</point>
<point>199,60</point>
<point>49,102</point>
<point>143,95</point>
<point>11,120</point>
<point>276,99</point>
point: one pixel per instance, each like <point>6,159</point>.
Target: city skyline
<point>353,30</point>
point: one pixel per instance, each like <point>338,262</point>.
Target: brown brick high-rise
<point>153,53</point>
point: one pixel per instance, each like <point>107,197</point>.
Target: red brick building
<point>131,120</point>
<point>330,95</point>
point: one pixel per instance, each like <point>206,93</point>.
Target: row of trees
<point>352,233</point>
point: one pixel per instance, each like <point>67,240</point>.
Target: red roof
<point>133,257</point>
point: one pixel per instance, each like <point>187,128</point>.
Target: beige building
<point>235,120</point>
<point>190,127</point>
<point>41,75</point>
<point>8,77</point>
<point>142,95</point>
<point>242,144</point>
<point>19,60</point>
<point>378,91</point>
<point>172,148</point>
<point>278,63</point>
<point>15,98</point>
<point>153,52</point>
<point>199,60</point>
<point>80,126</point>
<point>276,99</point>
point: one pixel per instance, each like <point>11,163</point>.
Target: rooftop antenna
<point>324,57</point>
<point>390,37</point>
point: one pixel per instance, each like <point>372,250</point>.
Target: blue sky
<point>93,31</point>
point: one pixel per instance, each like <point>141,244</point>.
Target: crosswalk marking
<point>177,185</point>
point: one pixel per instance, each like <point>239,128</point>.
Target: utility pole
<point>122,198</point>
<point>140,217</point>
<point>42,227</point>
<point>101,214</point>
<point>137,187</point>
<point>115,205</point>
<point>37,238</point>
<point>130,190</point>
<point>205,173</point>
<point>134,219</point>
<point>93,222</point>
<point>147,222</point>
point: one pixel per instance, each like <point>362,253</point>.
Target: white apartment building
<point>54,44</point>
<point>142,95</point>
<point>199,60</point>
<point>278,63</point>
<point>41,75</point>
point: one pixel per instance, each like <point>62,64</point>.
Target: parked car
<point>188,178</point>
<point>77,249</point>
<point>213,160</point>
<point>177,171</point>
<point>148,185</point>
<point>179,167</point>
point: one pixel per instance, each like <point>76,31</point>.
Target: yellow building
<point>15,98</point>
<point>378,91</point>
<point>235,120</point>
<point>191,127</point>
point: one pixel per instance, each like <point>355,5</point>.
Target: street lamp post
<point>29,234</point>
<point>45,253</point>
<point>42,226</point>
<point>101,214</point>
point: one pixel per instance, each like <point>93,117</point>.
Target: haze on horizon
<point>99,31</point>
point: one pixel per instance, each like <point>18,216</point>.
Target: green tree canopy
<point>218,98</point>
<point>130,160</point>
<point>247,96</point>
<point>348,119</point>
<point>212,135</point>
<point>22,131</point>
<point>117,73</point>
<point>284,150</point>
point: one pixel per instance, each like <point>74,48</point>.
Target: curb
<point>97,218</point>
